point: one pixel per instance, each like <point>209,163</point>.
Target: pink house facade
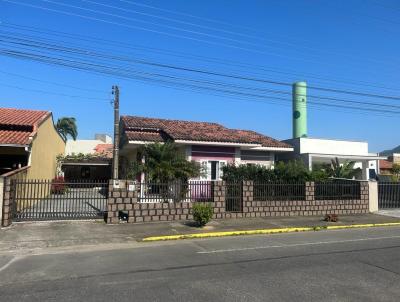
<point>210,144</point>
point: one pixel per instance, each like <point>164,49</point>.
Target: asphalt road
<point>346,265</point>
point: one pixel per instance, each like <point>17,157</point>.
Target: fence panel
<point>58,200</point>
<point>176,191</point>
<point>337,190</point>
<point>264,191</point>
<point>388,195</point>
<point>234,197</point>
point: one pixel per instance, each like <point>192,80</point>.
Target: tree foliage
<point>396,169</point>
<point>66,126</point>
<point>163,163</point>
<point>344,170</point>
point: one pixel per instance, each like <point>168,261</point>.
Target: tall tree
<point>66,126</point>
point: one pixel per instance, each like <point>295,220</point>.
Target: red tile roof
<point>105,150</point>
<point>17,126</point>
<point>22,117</point>
<point>13,137</point>
<point>139,128</point>
<point>145,136</point>
<point>385,164</point>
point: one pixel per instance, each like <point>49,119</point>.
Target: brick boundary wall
<point>307,207</point>
<point>121,199</point>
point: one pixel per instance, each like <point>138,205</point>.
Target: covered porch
<point>367,163</point>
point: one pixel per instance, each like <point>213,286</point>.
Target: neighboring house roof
<point>105,150</point>
<point>385,164</point>
<point>19,126</point>
<point>158,130</point>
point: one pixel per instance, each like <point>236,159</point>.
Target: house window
<point>212,169</point>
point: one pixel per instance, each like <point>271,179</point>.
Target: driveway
<point>75,203</point>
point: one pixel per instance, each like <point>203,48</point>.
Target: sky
<point>345,45</point>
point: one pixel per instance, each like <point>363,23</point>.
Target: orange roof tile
<point>105,150</point>
<point>154,129</point>
<point>22,117</point>
<point>385,164</point>
<point>17,126</point>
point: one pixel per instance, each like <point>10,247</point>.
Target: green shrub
<point>202,213</point>
<point>292,171</point>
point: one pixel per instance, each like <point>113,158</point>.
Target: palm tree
<point>344,170</point>
<point>67,126</point>
<point>165,162</point>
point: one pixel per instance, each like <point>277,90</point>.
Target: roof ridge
<point>170,120</point>
<point>24,109</point>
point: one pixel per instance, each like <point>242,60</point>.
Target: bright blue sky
<point>344,41</point>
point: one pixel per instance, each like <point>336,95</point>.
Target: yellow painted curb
<point>267,231</point>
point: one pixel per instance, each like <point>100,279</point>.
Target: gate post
<point>7,202</point>
<point>373,196</point>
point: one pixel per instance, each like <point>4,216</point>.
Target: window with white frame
<point>212,169</point>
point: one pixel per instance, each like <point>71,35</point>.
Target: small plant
<point>58,185</point>
<point>202,213</point>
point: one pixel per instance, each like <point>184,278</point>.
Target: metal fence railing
<point>176,191</point>
<point>58,199</point>
<point>388,195</point>
<point>234,196</point>
<point>279,191</point>
<point>337,190</point>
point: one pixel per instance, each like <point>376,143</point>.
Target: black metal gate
<point>234,197</point>
<point>58,200</point>
<point>388,195</point>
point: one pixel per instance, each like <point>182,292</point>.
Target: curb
<point>266,231</point>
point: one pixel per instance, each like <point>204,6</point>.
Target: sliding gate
<point>58,200</point>
<point>388,195</point>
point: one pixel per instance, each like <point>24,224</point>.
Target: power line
<point>264,97</point>
<point>52,93</point>
<point>247,78</point>
<point>353,57</point>
<point>131,26</point>
<point>164,32</point>
<point>246,96</point>
<point>187,55</point>
<point>288,84</point>
<point>53,83</point>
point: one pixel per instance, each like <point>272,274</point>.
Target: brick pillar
<point>248,190</point>
<point>121,199</point>
<point>310,191</point>
<point>364,192</point>
<point>219,199</point>
<point>8,202</point>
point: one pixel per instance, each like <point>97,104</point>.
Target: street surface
<point>343,265</point>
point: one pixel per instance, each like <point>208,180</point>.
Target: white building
<point>316,150</point>
<point>86,146</point>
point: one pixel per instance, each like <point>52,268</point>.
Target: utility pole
<point>115,92</point>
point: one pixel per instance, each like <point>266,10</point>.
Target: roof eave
<point>278,149</point>
<point>14,145</point>
<point>230,144</point>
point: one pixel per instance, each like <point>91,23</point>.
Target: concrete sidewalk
<point>41,235</point>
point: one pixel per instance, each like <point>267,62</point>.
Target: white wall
<point>84,146</point>
<point>338,147</point>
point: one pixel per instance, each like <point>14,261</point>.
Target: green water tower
<point>299,93</point>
